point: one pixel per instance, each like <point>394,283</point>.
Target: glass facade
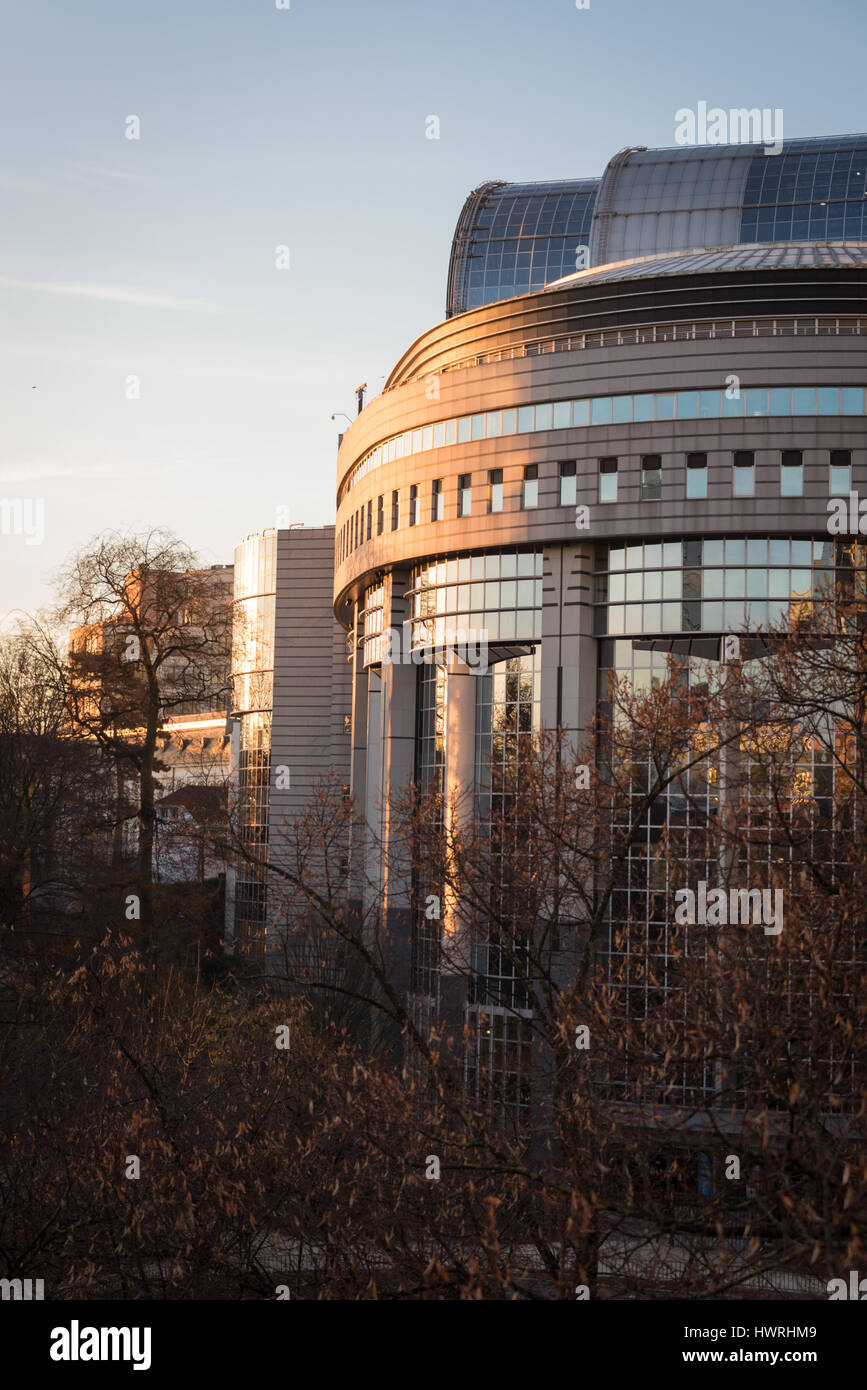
<point>522,237</point>
<point>756,402</point>
<point>814,190</point>
<point>252,699</point>
<point>715,585</point>
<point>499,593</point>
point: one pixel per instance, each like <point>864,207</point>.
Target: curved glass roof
<point>512,238</point>
<point>793,256</point>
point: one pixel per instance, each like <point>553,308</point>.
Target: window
<point>744,483</point>
<point>841,471</point>
<point>413,505</point>
<point>696,475</point>
<point>651,478</point>
<point>608,480</point>
<point>380,514</point>
<point>791,473</point>
<point>395,510</point>
<point>530,496</point>
<point>436,500</point>
<point>465,494</point>
<point>568,484</point>
<point>495,477</point>
<point>369,519</point>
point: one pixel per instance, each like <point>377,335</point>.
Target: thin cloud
<point>88,173</point>
<point>114,294</point>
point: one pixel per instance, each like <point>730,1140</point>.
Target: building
<point>512,238</point>
<point>630,460</point>
<point>192,742</point>
<point>289,711</point>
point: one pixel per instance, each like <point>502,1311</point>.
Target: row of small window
<point>743,475</point>
<point>359,527</point>
<point>616,410</point>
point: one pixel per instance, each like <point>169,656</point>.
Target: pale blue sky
<point>306,127</point>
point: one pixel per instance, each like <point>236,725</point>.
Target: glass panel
<point>616,589</point>
<point>853,400</point>
<point>477,427</point>
<point>781,400</point>
<point>634,557</point>
<point>562,415</point>
<point>709,405</point>
<point>736,583</point>
<point>672,581</point>
<point>671,553</point>
<point>757,400</point>
<point>804,400</point>
<point>829,400</point>
<point>733,405</point>
<point>744,481</point>
<point>665,407</point>
<point>713,552</point>
<point>608,487</point>
<point>711,616</point>
<point>463,429</point>
<point>757,583</point>
<point>802,553</point>
<point>652,584</point>
<point>492,424</point>
<point>509,421</point>
<point>791,480</point>
<point>642,407</point>
<point>841,479</point>
<point>580,412</point>
<point>600,413</point>
<point>757,552</point>
<point>652,556</point>
<point>544,417</point>
<point>779,552</point>
<point>633,586</point>
<point>439,435</point>
<point>451,431</point>
<point>525,419</point>
<point>779,583</point>
<point>622,410</point>
<point>713,583</point>
<point>687,405</point>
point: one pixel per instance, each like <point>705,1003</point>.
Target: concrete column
<point>459,782</point>
<point>569,659</point>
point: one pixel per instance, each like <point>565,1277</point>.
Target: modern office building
<point>289,710</point>
<point>598,469</point>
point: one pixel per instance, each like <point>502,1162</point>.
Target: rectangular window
<point>608,480</point>
<point>495,478</point>
<point>465,494</point>
<point>413,504</point>
<point>568,484</point>
<point>437,510</point>
<point>380,514</point>
<point>744,473</point>
<point>696,476</point>
<point>370,519</point>
<point>530,496</point>
<point>395,510</point>
<point>840,480</point>
<point>651,478</point>
<point>791,473</point>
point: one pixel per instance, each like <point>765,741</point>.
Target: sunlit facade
<point>630,463</point>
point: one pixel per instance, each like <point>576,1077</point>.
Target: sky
<point>158,367</point>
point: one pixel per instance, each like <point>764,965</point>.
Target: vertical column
<point>397,771</point>
<point>459,784</point>
<point>568,646</point>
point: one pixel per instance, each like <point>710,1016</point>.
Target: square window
<point>525,419</point>
<point>562,415</point>
<point>665,407</point>
<point>600,413</point>
<point>622,410</point>
<point>580,412</point>
<point>544,417</point>
<point>687,405</point>
<point>642,407</point>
